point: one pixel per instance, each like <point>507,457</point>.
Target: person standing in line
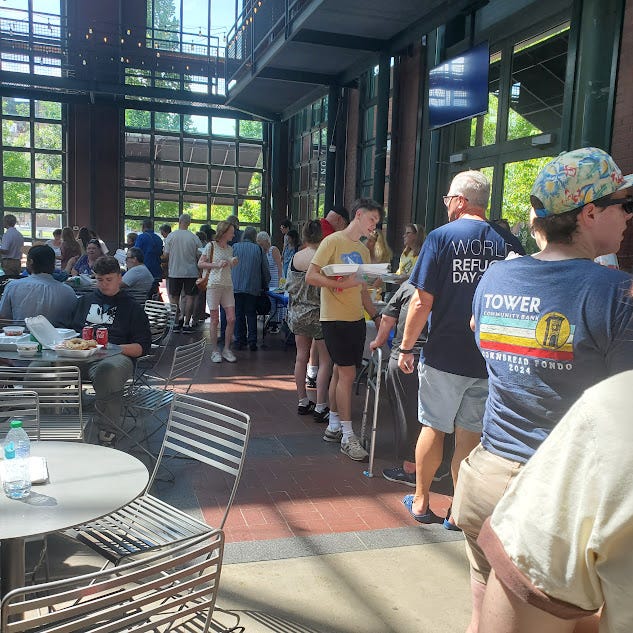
<point>303,321</point>
<point>343,301</point>
<point>453,383</point>
<point>250,276</point>
<point>181,248</point>
<point>218,260</point>
<point>549,326</point>
<point>11,247</point>
<point>152,247</point>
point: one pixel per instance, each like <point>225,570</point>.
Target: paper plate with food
<point>77,348</point>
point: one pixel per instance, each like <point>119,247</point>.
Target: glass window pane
<point>219,211</point>
<point>538,84</point>
<point>48,136</point>
<point>251,129</point>
<point>166,177</point>
<point>223,153</point>
<point>137,145</point>
<point>255,184</point>
<point>250,212</point>
<point>196,124</point>
<point>137,174</point>
<point>167,121</point>
<point>16,133</point>
<point>48,166</point>
<point>223,181</point>
<point>223,127</point>
<point>48,196</point>
<point>16,106</point>
<point>167,148</point>
<point>136,206</point>
<point>48,110</point>
<point>17,194</point>
<point>250,154</point>
<point>138,118</point>
<point>369,127</point>
<point>195,179</point>
<point>518,179</point>
<point>166,209</point>
<point>195,150</point>
<point>16,164</point>
<point>46,223</point>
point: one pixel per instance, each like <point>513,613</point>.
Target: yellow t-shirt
<point>345,305</point>
<point>407,262</point>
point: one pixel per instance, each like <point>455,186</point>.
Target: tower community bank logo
<point>512,330</point>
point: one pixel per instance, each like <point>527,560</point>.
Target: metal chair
<point>23,405</point>
<point>172,591</point>
<point>162,317</point>
<point>159,391</point>
<point>59,394</point>
<point>198,429</point>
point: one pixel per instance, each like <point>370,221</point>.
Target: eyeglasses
<point>607,201</point>
<point>447,199</point>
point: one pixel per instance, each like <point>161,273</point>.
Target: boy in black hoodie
<point>128,326</point>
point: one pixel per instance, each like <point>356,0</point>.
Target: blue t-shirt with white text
<point>548,330</point>
<point>451,262</point>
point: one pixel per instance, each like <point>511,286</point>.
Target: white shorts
<point>220,296</point>
<point>448,400</point>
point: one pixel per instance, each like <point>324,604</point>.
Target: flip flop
<point>428,517</point>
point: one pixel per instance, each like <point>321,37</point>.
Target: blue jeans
<point>245,318</point>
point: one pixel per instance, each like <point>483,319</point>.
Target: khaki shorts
<point>482,481</point>
<point>220,296</point>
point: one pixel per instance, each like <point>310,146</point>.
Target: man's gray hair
<point>250,234</point>
<point>474,186</point>
<point>262,236</point>
<point>185,218</point>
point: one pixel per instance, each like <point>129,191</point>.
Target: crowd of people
<point>514,365</point>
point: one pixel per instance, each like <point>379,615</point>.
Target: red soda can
<point>87,333</point>
<point>102,336</point>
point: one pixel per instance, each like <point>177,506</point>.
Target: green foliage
<point>17,164</point>
<point>251,129</point>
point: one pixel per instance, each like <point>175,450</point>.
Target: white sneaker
<point>353,449</point>
<point>228,355</point>
<point>216,357</point>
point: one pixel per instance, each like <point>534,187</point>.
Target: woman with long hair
<point>303,321</point>
<point>378,248</point>
<point>70,247</point>
<point>413,238</point>
<point>218,259</point>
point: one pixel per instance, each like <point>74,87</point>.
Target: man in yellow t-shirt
<point>343,301</point>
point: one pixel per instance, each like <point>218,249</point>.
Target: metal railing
<point>261,23</point>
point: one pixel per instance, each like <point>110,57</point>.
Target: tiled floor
<point>295,484</point>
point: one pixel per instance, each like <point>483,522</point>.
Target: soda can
<point>102,336</point>
<point>87,333</point>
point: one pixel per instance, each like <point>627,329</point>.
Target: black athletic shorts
<point>345,341</point>
<point>175,285</point>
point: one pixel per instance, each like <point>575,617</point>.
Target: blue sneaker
<point>399,475</point>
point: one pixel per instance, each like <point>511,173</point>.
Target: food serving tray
<point>340,270</point>
<point>76,353</point>
<point>10,343</point>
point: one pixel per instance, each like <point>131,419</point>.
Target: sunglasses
<point>607,201</point>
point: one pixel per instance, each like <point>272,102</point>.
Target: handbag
<point>203,281</point>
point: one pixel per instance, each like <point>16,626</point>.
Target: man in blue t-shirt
<point>453,381</point>
<point>549,327</point>
<point>152,247</point>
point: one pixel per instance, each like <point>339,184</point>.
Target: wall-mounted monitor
<point>458,87</point>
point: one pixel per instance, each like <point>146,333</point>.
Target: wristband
<point>405,351</point>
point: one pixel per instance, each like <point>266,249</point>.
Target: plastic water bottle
<point>17,451</point>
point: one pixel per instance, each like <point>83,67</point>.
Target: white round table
<point>86,482</point>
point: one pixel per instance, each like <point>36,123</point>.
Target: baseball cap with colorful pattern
<point>576,178</point>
